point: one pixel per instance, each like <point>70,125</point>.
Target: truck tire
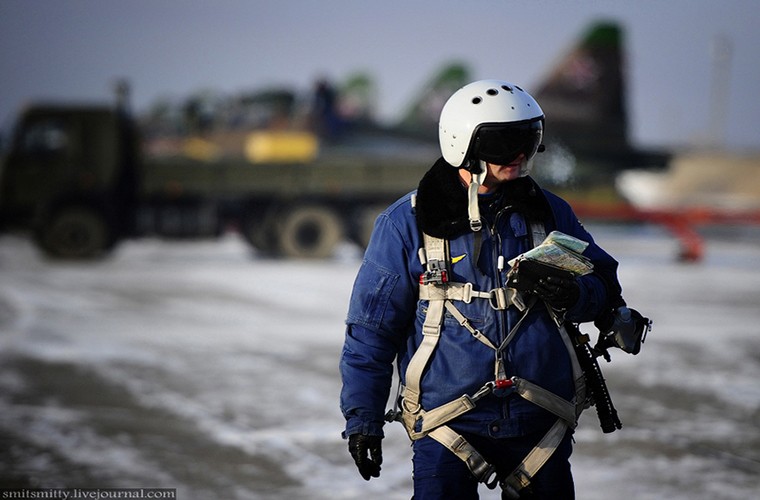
<point>261,237</point>
<point>309,231</point>
<point>258,229</point>
<point>75,233</point>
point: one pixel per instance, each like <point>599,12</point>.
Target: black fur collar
<point>442,201</point>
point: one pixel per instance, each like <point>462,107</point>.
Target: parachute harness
<point>419,422</point>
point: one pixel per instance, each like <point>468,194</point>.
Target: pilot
<point>472,353</point>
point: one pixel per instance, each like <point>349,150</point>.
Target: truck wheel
<point>261,237</point>
<point>309,231</point>
<point>258,229</point>
<point>75,233</point>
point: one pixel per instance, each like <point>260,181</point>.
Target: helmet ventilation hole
<point>507,88</point>
<point>477,100</point>
<point>492,92</point>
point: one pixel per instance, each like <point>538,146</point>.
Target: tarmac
<point>204,367</point>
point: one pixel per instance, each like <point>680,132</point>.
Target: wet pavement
<point>202,367</point>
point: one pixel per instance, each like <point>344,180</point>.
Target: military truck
<point>76,177</point>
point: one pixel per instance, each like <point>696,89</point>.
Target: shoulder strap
<point>434,256</point>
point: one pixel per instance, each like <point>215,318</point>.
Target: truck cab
<point>64,177</point>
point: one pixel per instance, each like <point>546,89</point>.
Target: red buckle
<point>438,277</point>
<point>504,383</point>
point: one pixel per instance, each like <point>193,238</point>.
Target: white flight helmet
<point>490,121</point>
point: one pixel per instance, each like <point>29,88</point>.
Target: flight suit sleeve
<point>380,314</point>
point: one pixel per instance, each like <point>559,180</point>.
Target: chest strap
<point>499,298</point>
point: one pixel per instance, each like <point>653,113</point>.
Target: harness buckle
<point>483,392</point>
<point>512,484</point>
<point>436,273</point>
<point>503,387</point>
<point>498,299</point>
<point>467,293</point>
<point>504,383</point>
<point>405,406</point>
<point>490,477</point>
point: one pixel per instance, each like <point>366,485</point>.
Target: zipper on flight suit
<point>496,252</point>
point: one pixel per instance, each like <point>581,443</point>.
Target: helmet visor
<point>502,143</point>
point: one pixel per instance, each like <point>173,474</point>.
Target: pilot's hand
<point>559,293</point>
<point>367,454</point>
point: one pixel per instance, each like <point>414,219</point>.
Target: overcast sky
<point>75,49</point>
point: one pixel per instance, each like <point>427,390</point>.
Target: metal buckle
<point>436,273</point>
<point>467,293</point>
<point>483,392</point>
<point>498,299</point>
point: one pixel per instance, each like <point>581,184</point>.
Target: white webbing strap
<point>547,400</point>
<point>486,473</point>
<point>436,248</point>
<point>498,298</point>
<point>436,251</point>
<point>473,209</point>
<point>538,456</point>
<point>465,323</point>
<point>431,332</point>
<point>452,291</point>
<point>419,422</point>
<point>482,470</point>
<point>443,414</point>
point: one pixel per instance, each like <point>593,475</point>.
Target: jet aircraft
<point>587,135</point>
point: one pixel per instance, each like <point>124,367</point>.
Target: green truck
<point>78,178</point>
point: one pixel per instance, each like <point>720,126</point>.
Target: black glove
<point>559,293</point>
<point>367,453</point>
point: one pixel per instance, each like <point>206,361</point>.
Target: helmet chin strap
<point>476,180</point>
<point>525,166</point>
<point>473,210</point>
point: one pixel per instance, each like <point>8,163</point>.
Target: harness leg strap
<point>482,470</point>
<point>538,456</point>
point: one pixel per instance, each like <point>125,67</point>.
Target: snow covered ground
<point>203,367</point>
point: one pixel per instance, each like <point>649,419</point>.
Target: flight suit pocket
<point>372,291</point>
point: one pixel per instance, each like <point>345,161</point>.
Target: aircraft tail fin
<point>584,95</point>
